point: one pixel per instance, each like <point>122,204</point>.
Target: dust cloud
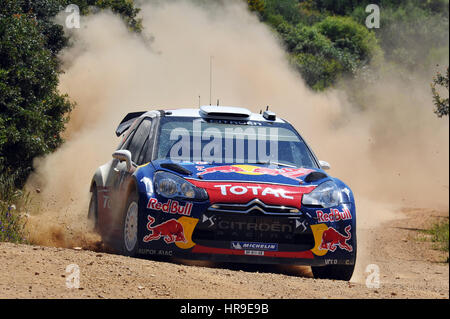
<point>393,154</point>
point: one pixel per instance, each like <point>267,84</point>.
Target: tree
<point>32,112</point>
<point>257,6</point>
<point>441,104</point>
<point>289,9</point>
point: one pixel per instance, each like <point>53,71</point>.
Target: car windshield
<point>232,141</point>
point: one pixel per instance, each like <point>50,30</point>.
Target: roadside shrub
<point>440,235</point>
<point>12,219</point>
<point>440,103</point>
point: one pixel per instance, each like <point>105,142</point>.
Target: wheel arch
<point>99,178</point>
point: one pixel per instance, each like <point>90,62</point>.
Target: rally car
<point>223,184</point>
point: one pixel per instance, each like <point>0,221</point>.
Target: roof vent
<point>224,112</point>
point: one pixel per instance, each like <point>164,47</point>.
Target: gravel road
<point>409,267</point>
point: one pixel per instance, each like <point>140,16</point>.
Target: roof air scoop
<point>224,112</point>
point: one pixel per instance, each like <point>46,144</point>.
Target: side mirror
<point>123,155</point>
<point>324,165</point>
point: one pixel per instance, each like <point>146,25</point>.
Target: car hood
<point>244,183</point>
<point>254,173</point>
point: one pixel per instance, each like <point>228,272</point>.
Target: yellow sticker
<point>189,224</point>
<point>318,232</point>
<point>248,169</point>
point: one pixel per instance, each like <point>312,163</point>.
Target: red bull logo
<point>171,230</point>
<point>171,207</point>
<point>331,239</point>
<point>254,170</point>
<point>334,216</point>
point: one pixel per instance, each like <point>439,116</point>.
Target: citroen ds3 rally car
<point>223,184</point>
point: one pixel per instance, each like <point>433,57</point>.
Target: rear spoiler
<point>127,121</point>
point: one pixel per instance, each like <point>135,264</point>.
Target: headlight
<point>172,186</point>
<point>326,195</point>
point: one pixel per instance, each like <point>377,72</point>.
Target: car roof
<point>218,112</point>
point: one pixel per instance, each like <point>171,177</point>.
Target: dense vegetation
<point>32,111</point>
<point>328,39</point>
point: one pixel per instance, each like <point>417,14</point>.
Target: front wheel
<point>337,272</point>
<point>129,240</point>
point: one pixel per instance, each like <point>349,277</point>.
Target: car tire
<point>336,272</point>
<point>129,234</point>
<point>93,210</point>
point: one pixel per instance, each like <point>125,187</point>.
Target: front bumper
<point>254,237</point>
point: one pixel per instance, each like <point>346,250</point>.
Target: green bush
<point>12,203</point>
<point>317,71</point>
<point>440,103</point>
<point>351,37</point>
<point>440,235</point>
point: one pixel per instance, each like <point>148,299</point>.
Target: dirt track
<point>409,268</point>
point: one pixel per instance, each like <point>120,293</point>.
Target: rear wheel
<point>93,210</point>
<point>337,272</point>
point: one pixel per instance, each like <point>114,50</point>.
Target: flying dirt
<point>393,154</point>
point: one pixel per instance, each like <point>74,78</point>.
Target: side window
<point>127,141</point>
<point>140,136</point>
<point>142,156</point>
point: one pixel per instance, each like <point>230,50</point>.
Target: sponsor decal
<point>244,192</point>
<point>106,202</point>
<point>254,246</point>
<point>254,252</point>
<point>172,231</point>
<point>293,173</point>
<point>158,252</point>
<point>331,261</point>
<point>226,189</point>
<point>331,239</point>
<point>263,227</point>
<point>334,216</point>
<point>148,185</point>
<point>299,223</point>
<point>171,207</point>
<point>210,219</point>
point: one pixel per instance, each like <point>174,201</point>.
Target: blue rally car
<point>223,184</point>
